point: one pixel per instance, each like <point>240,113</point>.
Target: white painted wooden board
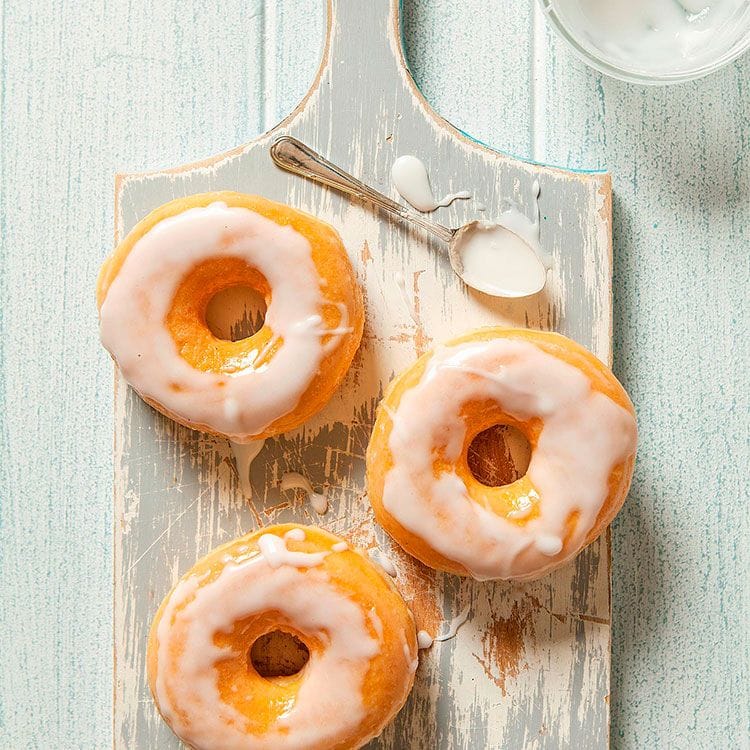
<point>532,664</point>
<point>95,86</point>
<point>680,166</point>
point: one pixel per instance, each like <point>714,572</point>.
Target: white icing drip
<point>329,703</point>
<point>549,544</point>
<point>585,435</point>
<point>412,658</point>
<point>274,550</point>
<point>297,534</point>
<point>413,661</point>
<point>244,455</point>
<point>376,622</point>
<point>461,195</point>
<point>294,481</point>
<point>657,36</point>
<point>341,329</point>
<point>505,256</point>
<point>408,303</point>
<point>340,547</point>
<point>497,377</point>
<point>454,625</point>
<point>246,401</point>
<point>231,409</point>
<point>411,180</point>
<point>385,562</point>
<point>424,639</point>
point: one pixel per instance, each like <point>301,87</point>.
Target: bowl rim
<point>603,65</point>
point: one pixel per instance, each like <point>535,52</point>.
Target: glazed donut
<point>293,579</point>
<point>581,429</point>
<point>154,289</point>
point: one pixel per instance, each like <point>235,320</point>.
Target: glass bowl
<point>735,40</point>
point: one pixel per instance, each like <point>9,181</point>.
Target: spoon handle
<point>294,156</point>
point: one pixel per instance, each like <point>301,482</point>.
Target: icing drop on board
<point>454,625</point>
<point>381,559</point>
<point>244,455</point>
<point>292,480</point>
<point>411,180</point>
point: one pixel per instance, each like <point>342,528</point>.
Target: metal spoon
<point>294,156</point>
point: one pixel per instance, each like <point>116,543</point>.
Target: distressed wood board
<point>531,666</point>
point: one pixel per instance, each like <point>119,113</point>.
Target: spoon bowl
<point>488,257</point>
<point>495,260</point>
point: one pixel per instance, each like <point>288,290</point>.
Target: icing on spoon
<point>492,258</point>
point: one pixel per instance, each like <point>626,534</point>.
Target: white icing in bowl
<point>653,41</point>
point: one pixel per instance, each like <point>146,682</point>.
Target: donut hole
<point>236,313</point>
<point>499,455</point>
<point>278,654</point>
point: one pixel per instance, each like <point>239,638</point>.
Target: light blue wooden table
<point>95,86</point>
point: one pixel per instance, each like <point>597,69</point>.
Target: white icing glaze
<point>244,455</point>
<point>297,534</point>
<point>454,625</point>
<point>294,481</point>
<point>247,400</point>
<point>504,257</point>
<point>412,661</point>
<point>385,562</point>
<point>411,180</point>
<point>340,547</point>
<point>585,435</point>
<point>424,639</point>
<point>549,544</point>
<point>341,329</point>
<point>329,702</point>
<point>658,36</point>
<point>273,548</point>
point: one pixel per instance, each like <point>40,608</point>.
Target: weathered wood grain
<point>85,88</point>
<point>95,86</point>
<point>176,493</point>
